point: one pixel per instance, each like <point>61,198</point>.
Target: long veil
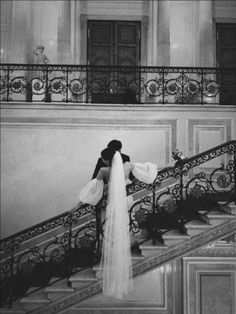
<point>116,255</point>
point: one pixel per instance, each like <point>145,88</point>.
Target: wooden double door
<point>226,60</point>
<point>114,44</point>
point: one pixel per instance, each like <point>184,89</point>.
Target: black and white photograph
<point>118,156</point>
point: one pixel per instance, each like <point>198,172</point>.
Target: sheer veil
<point>116,255</point>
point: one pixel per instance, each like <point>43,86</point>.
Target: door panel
<point>101,55</point>
<point>126,56</point>
<point>127,34</point>
<point>226,59</point>
<point>101,33</point>
<point>113,43</point>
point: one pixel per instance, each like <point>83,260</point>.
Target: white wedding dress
<point>116,264</point>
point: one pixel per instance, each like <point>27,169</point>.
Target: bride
<point>116,264</point>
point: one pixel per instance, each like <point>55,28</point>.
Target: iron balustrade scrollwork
<point>116,84</point>
<point>43,227</point>
<point>189,163</point>
<point>175,205</point>
<point>56,257</point>
<point>43,264</point>
<point>77,247</point>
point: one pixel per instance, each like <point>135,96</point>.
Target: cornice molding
<point>32,107</point>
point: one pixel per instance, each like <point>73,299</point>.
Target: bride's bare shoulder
<point>128,166</point>
<point>103,173</point>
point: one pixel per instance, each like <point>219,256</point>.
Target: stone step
<point>229,208</point>
<point>83,278</point>
<point>16,308</point>
<point>195,227</point>
<point>35,300</point>
<point>174,237</point>
<point>58,289</point>
<point>148,248</point>
<point>217,217</point>
<point>11,311</point>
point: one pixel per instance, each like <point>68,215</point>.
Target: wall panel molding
<point>221,127</point>
<point>209,285</point>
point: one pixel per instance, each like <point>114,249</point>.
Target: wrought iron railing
<point>117,84</point>
<point>195,187</point>
<point>75,246</point>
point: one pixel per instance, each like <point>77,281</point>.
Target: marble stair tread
<point>174,234</point>
<point>16,308</point>
<point>35,299</point>
<point>29,299</point>
<point>148,248</point>
<point>59,289</point>
<point>226,203</point>
<point>217,217</point>
<point>137,258</point>
<point>220,213</point>
<point>195,227</point>
<point>150,244</point>
<point>174,237</point>
<point>217,213</point>
<point>59,285</point>
<point>231,208</point>
<point>83,278</point>
<point>84,275</point>
<point>197,224</point>
<point>36,293</point>
<point>30,303</point>
<point>11,311</point>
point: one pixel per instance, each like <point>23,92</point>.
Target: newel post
<point>234,172</point>
<point>181,198</point>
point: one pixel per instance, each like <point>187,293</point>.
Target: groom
<point>116,145</point>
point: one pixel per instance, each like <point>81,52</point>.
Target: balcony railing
<point>117,84</point>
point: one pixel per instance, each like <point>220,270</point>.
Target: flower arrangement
<point>178,156</point>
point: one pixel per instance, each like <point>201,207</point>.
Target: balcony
<point>81,84</point>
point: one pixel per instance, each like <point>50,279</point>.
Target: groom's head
<point>115,144</point>
<point>107,155</point>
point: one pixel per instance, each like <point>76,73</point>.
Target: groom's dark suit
<point>101,164</point>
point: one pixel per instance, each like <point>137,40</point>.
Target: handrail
<point>54,222</point>
<point>28,66</point>
<point>42,227</point>
<point>194,161</point>
<point>163,174</point>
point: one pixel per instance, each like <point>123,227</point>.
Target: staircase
<point>147,254</point>
<point>85,283</point>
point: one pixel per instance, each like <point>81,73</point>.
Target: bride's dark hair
<point>108,153</point>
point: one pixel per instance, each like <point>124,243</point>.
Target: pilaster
<point>152,33</point>
<point>76,38</point>
<point>20,43</point>
<point>206,34</point>
<point>163,33</point>
<point>64,33</point>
